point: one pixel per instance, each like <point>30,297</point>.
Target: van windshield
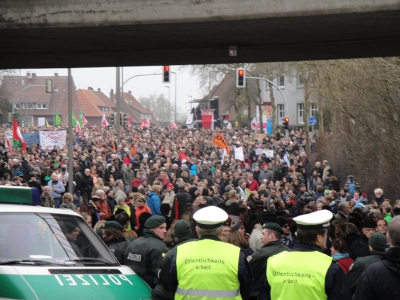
<point>33,238</point>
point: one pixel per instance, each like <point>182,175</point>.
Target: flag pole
<point>70,149</point>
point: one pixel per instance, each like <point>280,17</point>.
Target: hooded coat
<point>381,279</point>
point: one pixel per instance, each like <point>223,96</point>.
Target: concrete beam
<point>65,33</point>
<point>88,13</point>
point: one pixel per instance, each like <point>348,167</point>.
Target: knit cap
<point>182,228</point>
<point>378,241</point>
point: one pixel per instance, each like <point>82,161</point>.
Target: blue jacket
<point>60,189</point>
<point>154,202</point>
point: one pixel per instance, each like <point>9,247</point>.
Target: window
<point>280,112</point>
<point>300,113</point>
<point>300,81</point>
<point>41,105</point>
<point>313,110</point>
<point>281,81</point>
<point>30,105</point>
<point>23,105</point>
<point>17,105</point>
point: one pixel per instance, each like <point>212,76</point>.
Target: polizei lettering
<point>88,280</point>
<point>134,257</point>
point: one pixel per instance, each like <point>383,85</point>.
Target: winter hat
<point>281,221</point>
<point>154,221</point>
<point>273,226</point>
<point>369,224</point>
<point>70,226</point>
<point>266,217</point>
<point>112,225</point>
<point>237,226</point>
<point>182,229</point>
<point>378,241</point>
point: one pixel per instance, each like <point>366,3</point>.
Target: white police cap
<point>315,220</point>
<point>210,217</point>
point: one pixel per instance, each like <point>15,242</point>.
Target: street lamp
<point>169,104</point>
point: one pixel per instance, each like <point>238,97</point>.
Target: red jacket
<point>253,186</point>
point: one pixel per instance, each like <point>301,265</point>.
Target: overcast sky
<point>141,86</point>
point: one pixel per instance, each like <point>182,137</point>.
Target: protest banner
<point>50,139</point>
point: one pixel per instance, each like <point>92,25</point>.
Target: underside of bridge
<point>285,38</point>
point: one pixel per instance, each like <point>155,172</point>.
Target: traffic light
<point>166,74</point>
<point>240,78</point>
<point>123,119</point>
<point>113,118</point>
<point>285,123</point>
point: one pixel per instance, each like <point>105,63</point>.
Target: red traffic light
<point>241,72</point>
<point>166,68</point>
<point>286,120</point>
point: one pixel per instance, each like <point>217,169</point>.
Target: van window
<point>43,238</point>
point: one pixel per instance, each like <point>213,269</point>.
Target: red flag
<point>143,124</point>
<point>8,144</point>
<point>104,122</point>
<point>227,117</point>
<point>18,140</point>
<point>182,157</point>
<point>130,121</point>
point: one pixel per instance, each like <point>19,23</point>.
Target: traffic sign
<point>312,120</point>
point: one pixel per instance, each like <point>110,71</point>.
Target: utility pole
<point>117,107</point>
<point>70,148</point>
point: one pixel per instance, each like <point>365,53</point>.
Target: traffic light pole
<point>286,104</point>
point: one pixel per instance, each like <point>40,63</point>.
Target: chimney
<point>28,74</point>
<point>111,94</point>
<point>98,89</point>
<point>56,74</point>
<point>130,92</point>
<point>90,88</point>
<point>33,74</point>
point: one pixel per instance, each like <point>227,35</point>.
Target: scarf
<point>339,256</point>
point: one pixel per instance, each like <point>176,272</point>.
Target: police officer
<point>209,268</point>
<point>144,254</point>
<point>305,272</point>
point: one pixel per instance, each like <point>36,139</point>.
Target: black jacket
<point>258,263</point>
<point>359,266</point>
<point>381,280</point>
<point>182,198</point>
<point>87,184</point>
<point>161,291</point>
<point>144,256</point>
<point>359,248</point>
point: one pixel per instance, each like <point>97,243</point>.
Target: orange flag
<point>219,140</point>
<point>134,150</point>
<point>114,146</point>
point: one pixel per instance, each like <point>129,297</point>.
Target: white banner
<point>259,151</point>
<point>41,121</point>
<point>8,134</point>
<point>239,153</point>
<point>269,153</point>
<point>189,119</point>
<point>49,139</point>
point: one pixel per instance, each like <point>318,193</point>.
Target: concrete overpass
<point>89,33</point>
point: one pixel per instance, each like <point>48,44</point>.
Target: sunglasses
<point>286,226</point>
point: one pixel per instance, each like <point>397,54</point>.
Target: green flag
<point>73,119</point>
<point>80,118</point>
<point>58,118</point>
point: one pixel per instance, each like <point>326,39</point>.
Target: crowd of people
<point>141,196</point>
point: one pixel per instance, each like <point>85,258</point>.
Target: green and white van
<point>48,253</point>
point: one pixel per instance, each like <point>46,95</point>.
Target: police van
<point>48,253</point>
